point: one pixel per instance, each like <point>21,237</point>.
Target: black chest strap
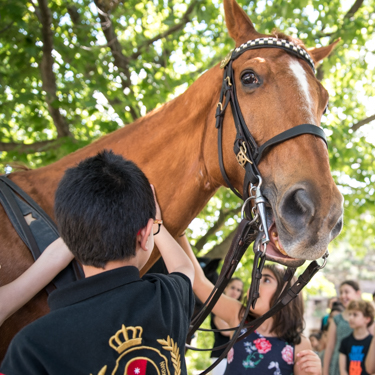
<point>40,233</point>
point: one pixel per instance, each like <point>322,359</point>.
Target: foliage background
<point>74,70</point>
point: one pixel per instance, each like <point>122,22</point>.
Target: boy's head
<point>314,340</point>
<point>100,206</point>
<point>361,313</point>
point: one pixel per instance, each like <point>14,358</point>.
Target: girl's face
<point>267,288</point>
<point>347,294</point>
<point>234,289</point>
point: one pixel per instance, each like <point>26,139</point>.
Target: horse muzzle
<point>301,226</point>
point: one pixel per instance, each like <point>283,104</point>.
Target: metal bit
<point>260,202</point>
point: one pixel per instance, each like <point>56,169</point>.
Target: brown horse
<point>176,146</point>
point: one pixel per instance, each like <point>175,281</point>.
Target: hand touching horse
<point>176,146</point>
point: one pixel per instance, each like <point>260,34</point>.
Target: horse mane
<point>280,35</point>
<point>18,166</point>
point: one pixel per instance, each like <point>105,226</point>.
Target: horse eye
<point>325,110</point>
<point>249,78</point>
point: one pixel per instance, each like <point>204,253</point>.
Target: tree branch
<point>224,213</point>
<point>320,73</point>
<point>184,20</point>
<point>46,68</point>
<point>6,27</point>
<point>73,13</point>
<point>119,59</point>
<point>350,13</point>
<point>24,147</point>
<point>98,46</point>
<point>36,11</point>
<point>365,121</point>
<point>353,9</point>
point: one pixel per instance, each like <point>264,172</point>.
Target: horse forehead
<point>300,76</point>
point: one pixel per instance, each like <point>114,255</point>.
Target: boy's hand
<point>158,212</point>
<point>309,362</point>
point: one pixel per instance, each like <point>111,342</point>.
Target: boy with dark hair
<point>354,348</point>
<point>112,322</point>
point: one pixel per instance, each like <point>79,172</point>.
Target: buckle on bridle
<point>242,157</point>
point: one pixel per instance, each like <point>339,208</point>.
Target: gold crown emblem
<point>132,336</point>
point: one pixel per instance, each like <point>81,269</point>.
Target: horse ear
<point>239,25</point>
<point>318,54</point>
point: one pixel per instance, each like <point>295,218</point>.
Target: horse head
<point>277,90</point>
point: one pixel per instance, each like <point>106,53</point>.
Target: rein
<point>249,155</point>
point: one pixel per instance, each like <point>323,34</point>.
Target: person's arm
<point>331,342</point>
<point>221,324</point>
<point>174,257</point>
<point>370,358</point>
<point>226,308</point>
<point>15,294</point>
<point>342,364</point>
<point>307,362</point>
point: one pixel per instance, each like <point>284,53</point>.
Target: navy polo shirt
<point>111,323</point>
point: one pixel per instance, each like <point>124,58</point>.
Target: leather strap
<point>248,152</point>
<point>39,234</point>
<point>245,235</point>
<point>289,134</point>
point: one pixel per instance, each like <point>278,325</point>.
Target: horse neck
<point>167,144</point>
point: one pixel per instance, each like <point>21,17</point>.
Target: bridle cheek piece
<point>249,155</point>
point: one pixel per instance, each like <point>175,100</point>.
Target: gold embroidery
<point>127,342</point>
<point>133,340</point>
<point>171,346</point>
<point>102,371</point>
<point>133,350</point>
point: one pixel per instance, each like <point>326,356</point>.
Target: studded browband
<point>268,43</point>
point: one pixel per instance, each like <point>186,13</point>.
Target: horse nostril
<point>297,208</point>
<point>337,228</point>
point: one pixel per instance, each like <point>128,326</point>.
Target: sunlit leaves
<point>166,46</point>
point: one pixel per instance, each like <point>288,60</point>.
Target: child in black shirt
<point>354,348</point>
<point>113,321</point>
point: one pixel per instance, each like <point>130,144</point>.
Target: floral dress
<point>257,354</point>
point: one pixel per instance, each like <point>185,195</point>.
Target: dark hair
<point>288,323</point>
<point>337,306</point>
<point>354,284</point>
<point>325,328</point>
<point>100,205</point>
<point>317,335</point>
<point>365,307</point>
<point>236,279</point>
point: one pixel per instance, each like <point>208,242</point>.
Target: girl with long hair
<point>277,346</point>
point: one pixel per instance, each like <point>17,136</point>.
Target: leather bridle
<point>249,155</point>
<point>247,152</point>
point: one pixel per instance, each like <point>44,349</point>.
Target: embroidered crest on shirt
<point>137,359</point>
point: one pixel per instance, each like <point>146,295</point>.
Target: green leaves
<point>163,48</point>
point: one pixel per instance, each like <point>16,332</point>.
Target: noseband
<point>249,155</point>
